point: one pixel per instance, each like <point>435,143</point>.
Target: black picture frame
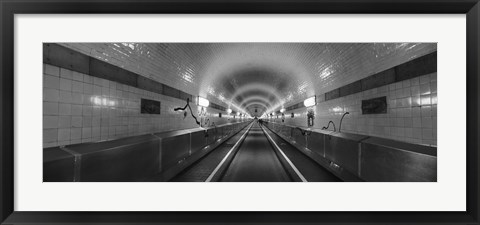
<point>11,7</point>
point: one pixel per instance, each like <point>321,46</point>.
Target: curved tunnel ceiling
<point>256,108</point>
<point>265,76</point>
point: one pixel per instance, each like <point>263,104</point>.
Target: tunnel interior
<point>292,95</point>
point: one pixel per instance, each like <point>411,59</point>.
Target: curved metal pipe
<point>191,112</point>
<point>340,126</point>
<point>334,129</point>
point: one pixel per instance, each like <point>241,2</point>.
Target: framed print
<point>200,112</point>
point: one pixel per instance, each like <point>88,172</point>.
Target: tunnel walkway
<point>254,159</point>
<point>311,170</point>
<point>200,170</point>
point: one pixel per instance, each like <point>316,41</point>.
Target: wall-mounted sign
<point>149,106</point>
<point>375,105</point>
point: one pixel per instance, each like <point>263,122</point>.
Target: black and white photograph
<point>239,112</point>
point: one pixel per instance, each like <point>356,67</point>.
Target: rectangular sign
<point>374,105</point>
<point>150,106</point>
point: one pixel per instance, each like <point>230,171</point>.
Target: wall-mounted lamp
<point>229,111</point>
<point>238,113</point>
<point>273,113</point>
<point>203,102</point>
<point>282,110</point>
<point>310,101</point>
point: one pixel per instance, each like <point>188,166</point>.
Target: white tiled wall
<point>316,66</point>
<point>411,115</point>
<point>80,108</point>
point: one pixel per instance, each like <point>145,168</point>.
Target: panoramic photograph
<point>239,112</point>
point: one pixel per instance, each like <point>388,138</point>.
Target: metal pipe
<point>334,129</point>
<point>191,112</point>
<point>340,126</point>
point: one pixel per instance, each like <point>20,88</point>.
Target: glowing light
<point>337,109</point>
<point>282,110</point>
<point>203,102</point>
<point>99,101</point>
<point>229,111</point>
<point>310,101</point>
<point>425,100</point>
<point>96,100</point>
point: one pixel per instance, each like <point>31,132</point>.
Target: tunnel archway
<point>247,69</point>
<point>256,108</point>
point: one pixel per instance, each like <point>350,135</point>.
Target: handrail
<point>304,132</point>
